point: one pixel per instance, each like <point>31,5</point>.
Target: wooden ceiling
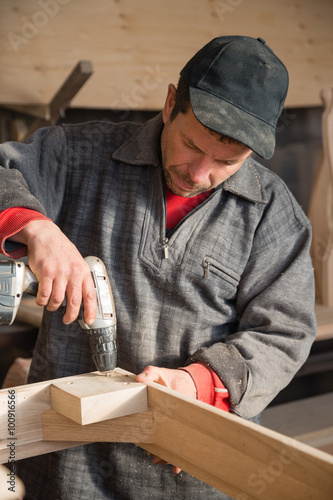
<point>138,47</point>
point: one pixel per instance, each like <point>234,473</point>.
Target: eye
<point>191,146</point>
<point>224,163</point>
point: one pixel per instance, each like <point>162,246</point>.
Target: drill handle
<point>30,285</point>
<point>15,280</point>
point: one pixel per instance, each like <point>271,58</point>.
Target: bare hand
<point>60,269</point>
<point>179,380</point>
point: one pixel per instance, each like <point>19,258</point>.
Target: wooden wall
<point>138,46</point>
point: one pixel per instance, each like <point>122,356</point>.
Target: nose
<point>200,170</point>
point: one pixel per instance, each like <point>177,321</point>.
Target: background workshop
<point>74,61</point>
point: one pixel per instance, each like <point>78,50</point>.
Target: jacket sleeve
<point>275,310</point>
<point>32,173</point>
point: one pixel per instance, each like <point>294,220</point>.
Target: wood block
<point>96,397</point>
<point>128,429</point>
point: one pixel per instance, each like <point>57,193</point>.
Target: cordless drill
<point>16,279</point>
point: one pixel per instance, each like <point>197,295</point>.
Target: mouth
<point>179,186</point>
<point>184,186</point>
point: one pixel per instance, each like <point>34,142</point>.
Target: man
<point>207,253</point>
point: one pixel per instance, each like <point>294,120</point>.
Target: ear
<point>169,102</point>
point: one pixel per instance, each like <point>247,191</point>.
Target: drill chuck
<point>103,348</point>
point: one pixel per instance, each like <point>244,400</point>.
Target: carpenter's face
<point>194,159</point>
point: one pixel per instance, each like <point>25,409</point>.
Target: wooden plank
<point>229,453</point>
<point>60,101</point>
<point>324,317</point>
<point>35,448</point>
<point>321,210</point>
<point>234,455</point>
<point>63,97</point>
<point>52,111</point>
<point>137,48</point>
<point>30,402</point>
<point>95,398</point>
<point>128,429</point>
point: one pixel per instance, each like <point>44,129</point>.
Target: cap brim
<point>225,118</point>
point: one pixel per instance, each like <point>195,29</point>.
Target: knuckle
<point>79,268</point>
<point>75,301</point>
<point>91,294</point>
<point>48,270</point>
<point>41,301</point>
<point>57,299</point>
<point>43,293</point>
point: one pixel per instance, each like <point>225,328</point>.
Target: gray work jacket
<point>236,292</point>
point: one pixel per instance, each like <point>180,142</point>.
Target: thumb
<point>149,374</point>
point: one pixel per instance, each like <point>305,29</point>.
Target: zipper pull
<point>166,248</point>
<point>206,266</point>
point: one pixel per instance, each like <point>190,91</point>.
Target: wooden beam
<point>30,402</point>
<point>128,429</point>
<point>40,111</point>
<point>49,114</point>
<point>57,106</point>
<point>96,398</point>
<point>231,454</point>
<point>324,317</point>
<point>234,455</point>
<point>63,97</point>
<point>321,210</point>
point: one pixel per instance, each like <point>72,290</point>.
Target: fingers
<point>51,289</point>
<point>60,270</point>
<point>89,300</point>
<point>75,285</point>
<point>159,461</point>
<point>152,374</point>
<point>178,380</point>
<point>73,303</point>
<point>176,470</point>
<point>80,290</point>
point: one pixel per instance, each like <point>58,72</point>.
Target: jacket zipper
<point>166,248</point>
<point>206,265</point>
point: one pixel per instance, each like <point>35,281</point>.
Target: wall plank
<point>137,48</point>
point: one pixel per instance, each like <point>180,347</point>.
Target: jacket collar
<point>246,182</point>
<point>143,148</point>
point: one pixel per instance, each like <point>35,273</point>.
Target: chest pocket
<point>218,279</point>
<point>213,281</point>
